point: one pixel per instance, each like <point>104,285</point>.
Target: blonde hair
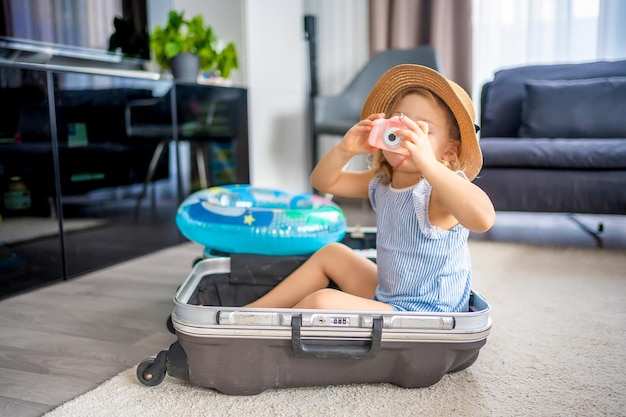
<point>383,168</point>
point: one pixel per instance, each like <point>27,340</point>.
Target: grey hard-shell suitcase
<point>244,351</point>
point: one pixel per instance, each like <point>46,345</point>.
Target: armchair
<point>334,115</point>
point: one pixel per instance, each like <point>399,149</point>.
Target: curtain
<point>445,24</point>
<point>509,33</point>
<point>611,29</point>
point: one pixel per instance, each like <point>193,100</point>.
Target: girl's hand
<point>416,142</point>
<point>355,139</point>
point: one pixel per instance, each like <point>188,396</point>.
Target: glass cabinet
<point>94,162</point>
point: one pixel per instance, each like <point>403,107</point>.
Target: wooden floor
<point>63,340</point>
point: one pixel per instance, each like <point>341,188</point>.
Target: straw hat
<point>406,76</point>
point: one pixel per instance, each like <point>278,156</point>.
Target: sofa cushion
<point>584,153</point>
<point>586,108</point>
<point>502,104</point>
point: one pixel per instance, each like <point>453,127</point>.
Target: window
<point>510,33</point>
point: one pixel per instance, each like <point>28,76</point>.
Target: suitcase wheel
<point>170,325</point>
<point>150,373</point>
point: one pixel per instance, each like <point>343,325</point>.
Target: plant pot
<point>185,67</point>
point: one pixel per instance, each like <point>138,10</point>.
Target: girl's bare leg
<point>332,299</point>
<point>353,273</point>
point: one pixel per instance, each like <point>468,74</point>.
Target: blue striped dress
<point>421,267</point>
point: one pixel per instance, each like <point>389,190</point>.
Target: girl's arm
<point>329,175</point>
<point>454,194</point>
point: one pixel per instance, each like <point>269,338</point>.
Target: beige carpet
<point>557,348</point>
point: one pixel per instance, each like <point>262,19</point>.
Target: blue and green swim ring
<point>240,218</point>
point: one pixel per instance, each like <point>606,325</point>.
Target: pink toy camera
<point>383,135</point>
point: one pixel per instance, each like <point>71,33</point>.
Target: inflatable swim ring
<point>246,219</point>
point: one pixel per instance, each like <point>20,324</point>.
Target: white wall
<point>343,49</point>
<point>277,80</point>
<point>269,37</point>
<point>343,41</point>
<point>227,20</point>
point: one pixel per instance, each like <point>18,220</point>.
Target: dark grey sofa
<point>553,138</point>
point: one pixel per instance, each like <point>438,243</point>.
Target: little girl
<point>424,200</point>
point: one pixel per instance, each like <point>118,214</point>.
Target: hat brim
<point>406,76</point>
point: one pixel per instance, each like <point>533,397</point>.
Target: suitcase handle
<point>302,350</point>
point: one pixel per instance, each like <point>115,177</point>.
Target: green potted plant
<point>181,38</point>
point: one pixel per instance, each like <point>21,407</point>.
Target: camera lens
<point>390,138</point>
